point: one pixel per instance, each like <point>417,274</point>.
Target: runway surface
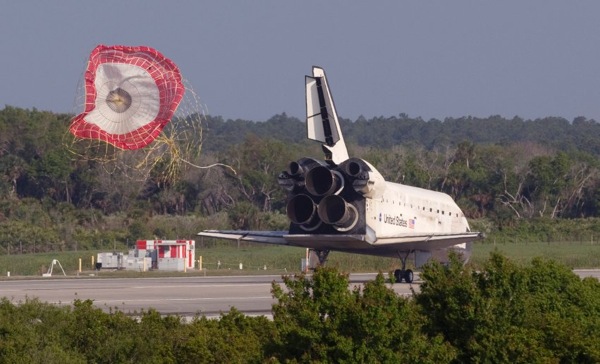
<point>184,296</point>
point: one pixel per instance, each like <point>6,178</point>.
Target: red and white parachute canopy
<point>131,94</point>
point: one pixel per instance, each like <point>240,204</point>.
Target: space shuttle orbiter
<point>344,204</point>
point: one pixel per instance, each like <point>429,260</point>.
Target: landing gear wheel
<point>404,274</point>
<point>398,275</point>
<point>408,276</point>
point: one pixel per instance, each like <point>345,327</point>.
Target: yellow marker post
<point>79,265</point>
<point>200,262</point>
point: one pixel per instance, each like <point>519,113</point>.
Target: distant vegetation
<point>540,312</point>
<point>536,180</point>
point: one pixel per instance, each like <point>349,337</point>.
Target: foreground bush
<point>319,319</point>
<point>506,313</point>
<point>35,332</point>
<point>502,313</point>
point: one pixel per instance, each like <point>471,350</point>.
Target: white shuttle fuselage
<point>344,204</point>
<point>411,210</point>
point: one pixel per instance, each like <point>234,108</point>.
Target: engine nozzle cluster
<point>328,198</point>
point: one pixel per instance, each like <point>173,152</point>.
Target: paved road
<point>181,295</point>
<point>185,296</point>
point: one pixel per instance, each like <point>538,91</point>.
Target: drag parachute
<point>131,94</point>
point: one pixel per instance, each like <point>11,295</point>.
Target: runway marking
<point>179,299</point>
<point>191,299</point>
<point>200,285</point>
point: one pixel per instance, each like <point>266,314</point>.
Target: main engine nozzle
<point>322,181</point>
<point>334,210</point>
<point>302,210</point>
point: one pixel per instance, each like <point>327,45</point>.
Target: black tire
<point>398,274</point>
<point>408,276</point>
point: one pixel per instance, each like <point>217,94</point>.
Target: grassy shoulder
<point>574,243</point>
<point>269,259</point>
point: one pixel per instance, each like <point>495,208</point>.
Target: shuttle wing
<point>350,243</point>
<point>267,237</point>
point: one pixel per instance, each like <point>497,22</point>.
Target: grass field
<point>269,259</point>
<point>577,254</point>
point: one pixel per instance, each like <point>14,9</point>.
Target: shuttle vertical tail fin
<point>321,118</point>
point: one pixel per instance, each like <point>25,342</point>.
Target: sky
<point>247,59</point>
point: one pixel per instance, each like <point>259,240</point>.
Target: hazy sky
<point>247,59</point>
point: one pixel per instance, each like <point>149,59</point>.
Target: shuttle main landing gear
<point>403,274</point>
<point>321,255</point>
<point>316,258</point>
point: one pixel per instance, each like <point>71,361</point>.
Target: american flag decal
<point>411,223</point>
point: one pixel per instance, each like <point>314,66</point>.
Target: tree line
<point>501,313</point>
<point>504,171</point>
